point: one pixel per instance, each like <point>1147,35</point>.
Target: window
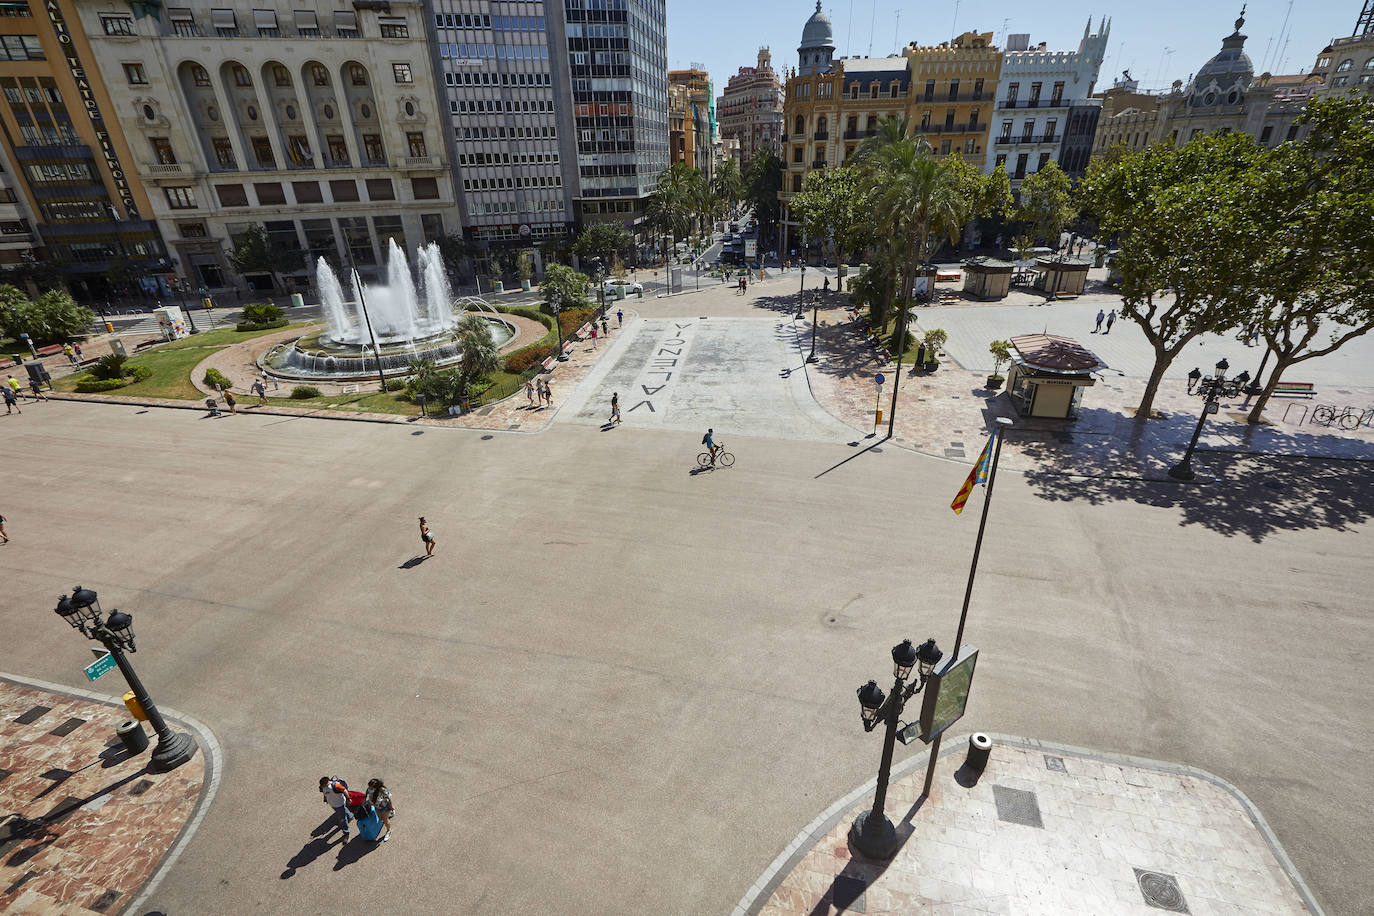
<point>800,126</point>
<point>796,154</point>
<point>1340,81</point>
<point>270,193</point>
<point>796,183</point>
<point>930,90</point>
<point>1340,68</point>
<point>357,75</point>
<point>346,26</point>
<point>241,75</point>
<point>298,150</point>
<point>424,188</point>
<point>319,75</point>
<point>380,189</point>
<point>393,26</point>
<point>893,91</point>
<point>226,26</point>
<point>343,191</point>
<point>135,75</point>
<point>124,25</point>
<point>401,72</point>
<point>415,143</point>
<point>181,198</point>
<point>1001,161</point>
<point>432,225</point>
<point>307,192</point>
<point>949,118</point>
<point>373,151</point>
<point>15,9</point>
<point>162,150</point>
<point>1027,130</point>
<point>1006,132</point>
<point>978,90</point>
<point>1266,133</point>
<point>224,152</point>
<point>1292,132</point>
<point>262,151</point>
<point>1034,99</point>
<point>338,150</point>
<point>232,195</point>
<point>1057,96</point>
<point>1044,158</point>
<point>265,21</point>
<point>925,119</point>
<point>280,75</point>
<point>1021,165</point>
<point>199,75</point>
<point>945,147</point>
<point>1050,127</point>
<point>183,23</point>
<point>954,90</point>
<point>1012,90</point>
<point>22,47</point>
<point>1369,64</point>
<point>193,230</point>
<point>973,119</point>
<point>969,145</point>
<point>307,23</point>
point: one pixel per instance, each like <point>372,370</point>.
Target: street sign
<point>878,380</point>
<point>1213,407</point>
<point>99,666</point>
<point>946,694</point>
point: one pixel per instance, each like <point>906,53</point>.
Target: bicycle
<point>1327,416</point>
<point>723,458</point>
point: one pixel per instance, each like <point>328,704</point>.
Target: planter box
<point>994,382</point>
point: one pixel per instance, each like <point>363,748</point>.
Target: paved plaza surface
<point>623,687</point>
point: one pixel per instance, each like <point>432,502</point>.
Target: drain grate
<point>1017,806</point>
<point>1055,763</point>
<point>33,715</point>
<point>954,453</point>
<point>1161,891</point>
<point>66,728</point>
<point>848,894</point>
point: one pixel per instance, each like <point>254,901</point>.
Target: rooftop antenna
<point>1006,26</point>
<point>849,31</point>
<point>954,25</point>
<point>1278,52</point>
<point>897,29</point>
<point>873,20</point>
<point>1169,53</point>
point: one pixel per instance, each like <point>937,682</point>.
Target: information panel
<point>946,693</point>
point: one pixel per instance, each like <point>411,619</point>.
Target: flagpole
<point>1002,424</point>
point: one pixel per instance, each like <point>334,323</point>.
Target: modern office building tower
<point>318,123</point>
<point>750,108</point>
<point>69,165</point>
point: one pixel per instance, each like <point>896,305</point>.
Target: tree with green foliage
<point>604,242</point>
<point>728,184</point>
<point>835,206</point>
<point>458,253</point>
<point>564,288</point>
<point>1313,274</point>
<point>1183,219</point>
<point>762,182</point>
<point>1047,203</point>
<point>254,252</point>
<point>480,356</point>
<point>53,318</point>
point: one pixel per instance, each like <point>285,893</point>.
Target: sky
<point>1159,41</point>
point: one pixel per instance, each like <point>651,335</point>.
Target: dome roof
<point>818,33</point>
<point>1229,64</point>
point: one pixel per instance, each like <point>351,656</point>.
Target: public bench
<point>549,363</point>
<point>585,331</point>
<point>1295,390</point>
<point>50,350</point>
<point>152,342</point>
<point>947,276</point>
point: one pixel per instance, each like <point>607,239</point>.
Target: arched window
<point>801,125</point>
<point>280,75</point>
<point>319,74</point>
<point>821,124</point>
<point>241,76</point>
<point>199,75</point>
<point>1345,65</point>
<point>1369,64</point>
<point>357,74</point>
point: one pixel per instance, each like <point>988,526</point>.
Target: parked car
<point>614,283</point>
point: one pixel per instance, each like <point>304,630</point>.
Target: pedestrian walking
<point>826,287</point>
<point>593,335</point>
<point>615,408</point>
<point>69,353</point>
<point>529,394</point>
<point>11,402</point>
<point>76,348</point>
<point>539,391</point>
<point>14,384</point>
<point>4,535</point>
<point>233,404</point>
<point>605,328</point>
<point>1100,315</point>
<point>548,394</point>
<point>619,318</point>
<point>260,391</point>
<point>37,390</point>
<point>379,797</point>
<point>427,536</point>
<point>335,792</point>
<point>1111,320</point>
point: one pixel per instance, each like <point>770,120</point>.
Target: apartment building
<point>320,124</point>
<point>750,108</point>
<point>691,111</point>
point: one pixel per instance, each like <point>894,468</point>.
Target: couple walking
<point>372,809</point>
<point>1111,320</point>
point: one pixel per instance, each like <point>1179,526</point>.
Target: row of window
<point>273,193</point>
<point>225,24</point>
<point>462,21</point>
<point>36,95</point>
<point>493,52</point>
<point>319,74</point>
<point>21,47</point>
<point>508,184</point>
<point>15,8</point>
<point>507,158</point>
<point>1021,160</point>
<point>493,106</point>
<point>297,149</point>
<point>1014,92</point>
<point>482,78</point>
<point>1028,131</point>
<point>597,30</point>
<point>510,206</point>
<point>542,132</point>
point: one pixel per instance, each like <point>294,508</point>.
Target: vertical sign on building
<point>83,87</point>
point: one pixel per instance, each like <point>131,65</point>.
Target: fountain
<point>408,322</point>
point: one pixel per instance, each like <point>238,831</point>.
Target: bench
<point>585,331</point>
<point>1295,390</point>
<point>549,363</point>
<point>348,389</point>
<point>568,346</point>
<point>148,343</point>
<point>947,276</point>
<point>50,350</point>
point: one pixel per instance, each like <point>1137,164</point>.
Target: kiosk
<point>987,278</point>
<point>1048,374</point>
<point>1061,273</point>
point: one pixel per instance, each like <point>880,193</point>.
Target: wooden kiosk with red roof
<point>1048,374</point>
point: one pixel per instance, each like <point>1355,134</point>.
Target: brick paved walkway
<point>1044,830</point>
<point>106,822</point>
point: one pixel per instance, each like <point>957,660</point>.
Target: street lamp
<point>872,833</point>
<point>116,633</point>
<point>362,304</point>
<point>1210,388</point>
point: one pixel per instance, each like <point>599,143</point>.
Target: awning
<point>346,19</point>
<point>223,19</point>
<point>307,19</point>
<point>180,14</point>
<point>264,19</point>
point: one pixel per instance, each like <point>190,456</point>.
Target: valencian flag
<point>978,475</point>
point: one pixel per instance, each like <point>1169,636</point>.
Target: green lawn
<point>361,402</point>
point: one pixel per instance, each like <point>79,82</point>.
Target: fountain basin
<point>319,357</point>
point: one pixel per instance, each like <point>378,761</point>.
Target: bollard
<point>134,738</point>
<point>979,748</point>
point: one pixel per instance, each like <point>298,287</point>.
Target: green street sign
<point>99,666</point>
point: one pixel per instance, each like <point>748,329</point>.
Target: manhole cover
<point>1056,764</point>
<point>848,894</point>
<point>1017,806</point>
<point>1161,891</point>
<point>954,453</point>
<point>32,715</point>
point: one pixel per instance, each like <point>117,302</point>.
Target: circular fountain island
<point>409,321</point>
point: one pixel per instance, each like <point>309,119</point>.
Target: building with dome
<point>817,49</point>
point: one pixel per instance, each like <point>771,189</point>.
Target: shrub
<point>110,366</point>
<point>529,357</point>
<point>262,325</point>
<point>533,314</point>
<point>87,384</point>
<point>139,373</point>
<point>261,313</point>
<point>395,384</point>
<point>215,379</point>
<point>304,392</point>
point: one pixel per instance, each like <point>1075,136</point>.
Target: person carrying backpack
<point>335,792</point>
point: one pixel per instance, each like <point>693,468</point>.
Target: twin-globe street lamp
<point>82,611</point>
<point>1211,388</point>
<point>873,833</point>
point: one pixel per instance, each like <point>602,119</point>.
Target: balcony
<point>1031,140</point>
<point>1008,103</point>
<point>420,162</point>
<point>374,163</point>
<point>818,163</point>
<point>822,135</point>
<point>859,134</point>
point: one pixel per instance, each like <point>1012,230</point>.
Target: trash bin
<point>135,707</point>
<point>109,327</point>
<point>297,300</point>
<point>133,737</point>
<point>979,748</point>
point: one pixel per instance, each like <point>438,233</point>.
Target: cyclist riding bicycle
<point>709,441</point>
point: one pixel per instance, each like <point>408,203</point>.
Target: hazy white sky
<point>1158,40</point>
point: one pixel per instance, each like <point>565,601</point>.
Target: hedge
<point>304,392</point>
<point>262,326</point>
<point>88,385</point>
<point>215,379</point>
<point>139,373</point>
<point>528,357</point>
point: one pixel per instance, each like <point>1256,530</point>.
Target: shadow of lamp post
<point>872,832</point>
<point>82,611</point>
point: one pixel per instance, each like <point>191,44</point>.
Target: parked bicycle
<point>1349,418</point>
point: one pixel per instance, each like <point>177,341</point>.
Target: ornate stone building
<point>1347,64</point>
<point>750,108</point>
<point>689,115</point>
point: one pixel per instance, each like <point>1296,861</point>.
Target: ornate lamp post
<point>116,633</point>
<point>872,833</point>
<point>367,320</point>
<point>1210,388</point>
